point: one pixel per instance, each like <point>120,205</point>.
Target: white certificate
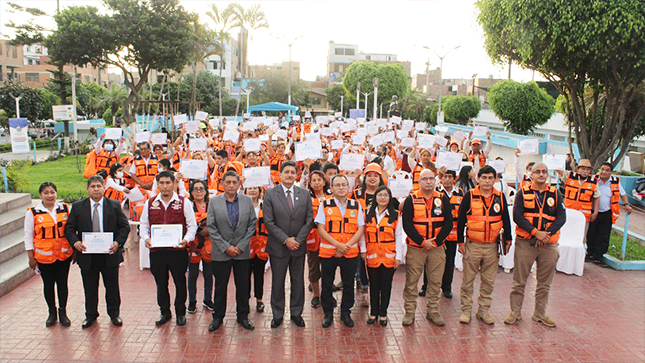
<point>159,139</point>
<point>249,126</point>
<point>231,125</point>
<point>400,187</point>
<point>395,120</point>
<point>257,177</point>
<point>179,119</point>
<point>402,134</point>
<point>452,161</point>
<point>425,141</point>
<point>361,132</point>
<point>499,166</point>
<point>408,125</point>
<point>312,136</point>
<point>198,144</point>
<point>528,146</point>
<point>252,145</point>
<point>554,161</point>
<point>358,139</point>
<point>442,141</point>
<point>407,142</point>
<point>191,127</point>
<point>97,242</point>
<point>443,129</point>
<point>308,150</point>
<point>135,194</point>
<point>194,169</point>
<point>372,130</point>
<point>322,120</point>
<point>480,130</point>
<point>376,141</point>
<point>389,136</point>
<point>420,126</point>
<point>337,144</point>
<point>113,133</point>
<point>459,135</point>
<point>281,134</point>
<point>165,235</point>
<point>381,123</point>
<point>231,135</point>
<point>351,162</point>
<point>143,136</point>
<point>328,131</point>
<point>347,128</point>
<point>201,115</point>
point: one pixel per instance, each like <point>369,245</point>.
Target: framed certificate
<point>165,235</point>
<point>97,243</point>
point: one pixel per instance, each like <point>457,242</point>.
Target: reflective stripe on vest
<point>340,227</point>
<point>541,214</point>
<point>484,223</point>
<point>50,243</point>
<point>428,217</point>
<point>380,242</point>
<point>578,193</point>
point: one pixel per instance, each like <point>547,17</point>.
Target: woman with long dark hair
<point>258,255</point>
<point>200,248</point>
<point>465,179</point>
<point>317,187</point>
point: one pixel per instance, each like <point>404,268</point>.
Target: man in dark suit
<point>288,217</point>
<point>99,215</point>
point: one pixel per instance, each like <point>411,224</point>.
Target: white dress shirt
<point>284,189</point>
<point>191,221</point>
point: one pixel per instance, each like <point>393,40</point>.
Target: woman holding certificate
<point>259,256</point>
<point>200,248</point>
<point>48,250</point>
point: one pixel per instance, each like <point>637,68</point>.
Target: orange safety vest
<point>276,161</point>
<point>259,240</point>
<point>455,200</point>
<point>197,252</point>
<point>146,173</point>
<point>381,242</point>
<point>526,180</point>
<point>615,197</point>
<point>313,239</point>
<point>484,223</point>
<point>428,218</point>
<point>480,156</point>
<point>307,128</point>
<point>578,193</point>
<point>340,227</point>
<point>541,214</point>
<point>105,159</point>
<point>416,174</point>
<point>136,208</point>
<point>50,244</point>
<point>112,193</point>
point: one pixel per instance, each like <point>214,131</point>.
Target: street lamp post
<point>17,99</point>
<point>341,105</point>
<point>439,114</point>
<point>366,94</point>
<point>375,97</point>
<point>290,44</point>
<point>358,95</point>
<point>474,75</point>
<point>74,116</point>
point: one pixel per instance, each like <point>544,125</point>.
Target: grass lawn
<point>634,251</point>
<point>62,172</point>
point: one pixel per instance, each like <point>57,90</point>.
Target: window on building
<point>315,101</point>
<point>38,49</point>
<point>368,57</point>
<point>87,79</point>
<point>339,51</point>
<point>36,61</point>
<point>349,51</point>
<point>32,77</point>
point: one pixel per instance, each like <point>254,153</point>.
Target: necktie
<point>96,219</point>
<point>289,201</point>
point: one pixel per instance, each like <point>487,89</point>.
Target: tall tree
<point>135,36</point>
<point>521,106</point>
<point>30,32</point>
<point>580,46</point>
<point>223,24</point>
<point>113,98</point>
<point>413,104</point>
<point>392,81</point>
<point>461,109</point>
<point>204,44</point>
<point>333,96</point>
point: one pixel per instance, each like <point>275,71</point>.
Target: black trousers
<point>222,272</point>
<point>380,289</point>
<point>55,274</point>
<point>163,263</point>
<point>347,270</point>
<point>193,274</point>
<point>110,275</point>
<point>257,270</point>
<point>598,235</point>
<point>361,272</point>
<point>449,272</point>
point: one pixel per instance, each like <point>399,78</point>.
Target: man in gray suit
<point>231,224</point>
<point>288,217</point>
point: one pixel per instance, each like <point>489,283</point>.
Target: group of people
<point>314,214</point>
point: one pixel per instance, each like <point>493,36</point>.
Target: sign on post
<point>19,138</point>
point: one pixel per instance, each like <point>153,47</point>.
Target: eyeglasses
<point>199,190</point>
<point>340,185</point>
<point>540,171</point>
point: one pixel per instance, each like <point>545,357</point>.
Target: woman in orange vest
<point>200,248</point>
<point>317,187</point>
<point>115,184</point>
<point>258,256</point>
<point>384,251</point>
<point>48,250</point>
<point>107,153</point>
<point>277,158</point>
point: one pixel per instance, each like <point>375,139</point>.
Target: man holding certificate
<point>97,228</point>
<point>167,224</point>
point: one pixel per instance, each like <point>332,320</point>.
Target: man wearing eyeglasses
<point>340,224</point>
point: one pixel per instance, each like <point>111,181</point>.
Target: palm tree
<point>204,45</point>
<point>413,104</point>
<point>223,26</point>
<point>247,20</point>
<point>113,97</point>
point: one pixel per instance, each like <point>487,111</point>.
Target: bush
<point>107,117</point>
<point>17,175</point>
<point>521,106</point>
<point>460,109</point>
<point>430,113</point>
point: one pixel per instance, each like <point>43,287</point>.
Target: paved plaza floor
<point>600,317</point>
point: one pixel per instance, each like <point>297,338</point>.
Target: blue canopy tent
<point>273,106</point>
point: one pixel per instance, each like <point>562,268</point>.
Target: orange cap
<point>476,141</point>
<point>373,167</point>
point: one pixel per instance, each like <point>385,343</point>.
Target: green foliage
<point>561,104</point>
<point>460,109</point>
<point>49,99</point>
<point>577,44</point>
<point>333,96</point>
<point>4,119</point>
<point>107,117</point>
<point>430,113</point>
<point>521,106</point>
<point>30,32</point>
<point>414,104</point>
<point>31,105</point>
<point>207,90</point>
<point>273,88</point>
<point>63,172</point>
<point>301,98</point>
<point>392,81</point>
<point>17,179</point>
<point>634,251</point>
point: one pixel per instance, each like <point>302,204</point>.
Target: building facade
<point>340,56</point>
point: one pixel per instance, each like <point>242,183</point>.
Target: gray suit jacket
<point>221,232</point>
<point>281,224</point>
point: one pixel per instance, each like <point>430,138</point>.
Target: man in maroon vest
<point>169,208</point>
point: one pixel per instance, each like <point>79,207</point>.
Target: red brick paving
<point>600,316</point>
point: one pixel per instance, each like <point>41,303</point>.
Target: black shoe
<point>181,320</point>
<point>447,294</point>
<point>600,263</point>
<point>51,319</point>
<point>163,319</point>
<point>208,305</point>
<point>215,324</point>
<point>246,324</point>
<point>371,320</point>
<point>88,323</point>
<point>116,321</point>
<point>298,320</point>
<point>422,292</point>
<point>62,317</point>
<point>347,320</point>
<point>315,302</point>
<point>588,258</point>
<point>383,322</point>
<point>192,307</point>
<point>327,321</point>
<point>276,322</point>
<point>259,307</point>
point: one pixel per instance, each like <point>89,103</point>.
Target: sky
<point>395,27</point>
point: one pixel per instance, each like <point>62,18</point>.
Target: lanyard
<point>540,202</point>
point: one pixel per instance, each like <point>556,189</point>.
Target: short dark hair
<point>166,174</point>
<point>114,167</point>
<point>337,176</point>
<point>487,169</point>
<point>165,163</point>
<point>144,143</point>
<point>45,185</point>
<point>95,179</point>
<point>157,146</point>
<point>288,163</point>
<point>329,166</point>
<point>232,173</point>
<point>607,164</point>
<point>222,153</point>
<point>451,172</point>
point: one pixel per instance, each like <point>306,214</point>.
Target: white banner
<point>18,128</point>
